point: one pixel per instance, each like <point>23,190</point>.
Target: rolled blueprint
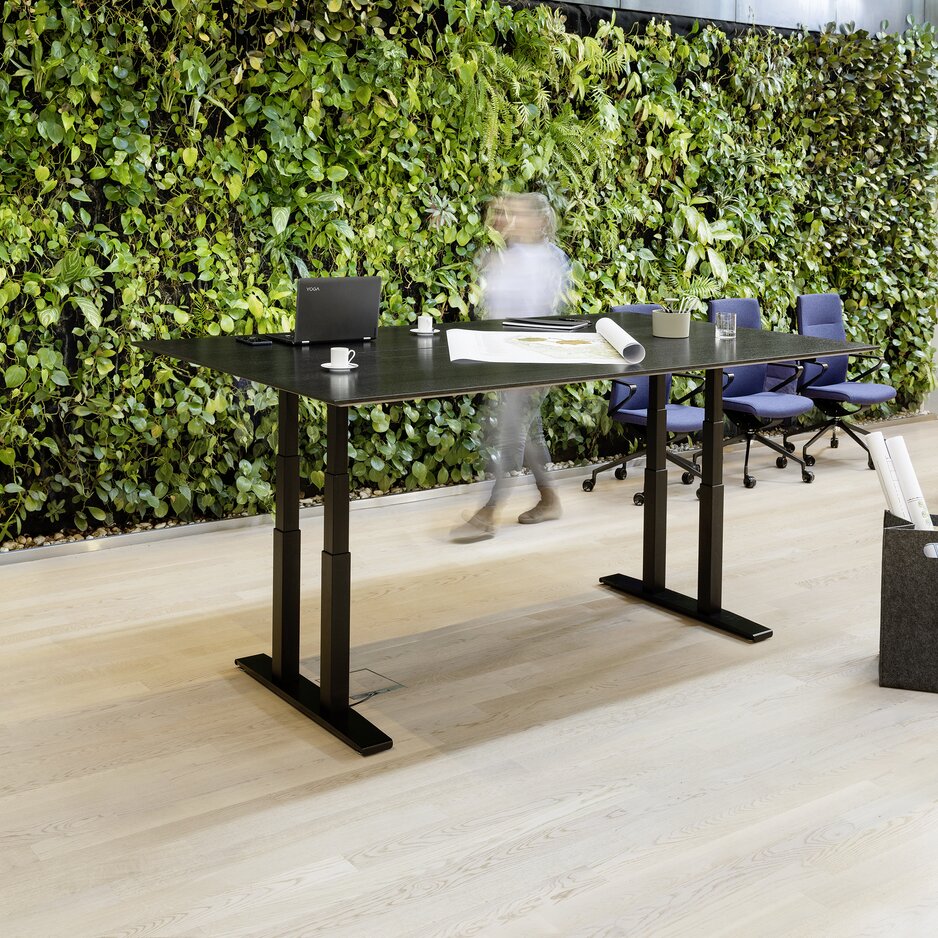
<point>886,471</point>
<point>908,483</point>
<point>631,350</point>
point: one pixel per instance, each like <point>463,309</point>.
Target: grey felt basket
<point>908,623</point>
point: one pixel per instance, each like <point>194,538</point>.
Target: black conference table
<point>399,366</point>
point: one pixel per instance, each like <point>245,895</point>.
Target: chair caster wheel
<point>807,476</point>
<point>749,482</point>
<point>687,478</point>
<point>781,462</point>
<point>621,473</point>
<point>809,460</point>
<point>639,498</point>
<point>697,493</point>
<point>588,485</point>
<point>789,446</point>
<point>834,442</point>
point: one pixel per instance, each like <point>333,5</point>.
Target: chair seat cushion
<point>679,418</point>
<point>768,405</point>
<point>852,392</point>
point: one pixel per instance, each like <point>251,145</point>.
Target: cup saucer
<point>330,367</point>
<point>418,332</point>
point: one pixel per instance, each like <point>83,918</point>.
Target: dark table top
<point>400,366</point>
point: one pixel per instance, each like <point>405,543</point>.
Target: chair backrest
<point>620,390</point>
<point>748,314</point>
<point>747,379</point>
<point>822,315</point>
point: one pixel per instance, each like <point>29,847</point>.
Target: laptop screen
<point>337,309</point>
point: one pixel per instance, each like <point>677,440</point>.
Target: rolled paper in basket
<point>908,483</point>
<point>631,350</point>
<point>886,471</point>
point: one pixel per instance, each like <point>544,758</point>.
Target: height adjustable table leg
<point>707,608</point>
<point>280,672</point>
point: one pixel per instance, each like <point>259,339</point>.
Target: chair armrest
<point>614,409</point>
<point>728,377</point>
<point>797,371</point>
<point>693,391</point>
<point>809,382</point>
<point>877,361</point>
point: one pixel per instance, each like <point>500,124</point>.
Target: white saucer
<point>418,332</point>
<point>330,367</point>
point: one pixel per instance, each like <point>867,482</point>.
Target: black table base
<point>686,606</point>
<point>348,724</point>
<point>707,607</point>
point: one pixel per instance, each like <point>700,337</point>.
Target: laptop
<point>334,309</point>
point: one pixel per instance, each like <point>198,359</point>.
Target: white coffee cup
<point>425,323</point>
<point>341,357</point>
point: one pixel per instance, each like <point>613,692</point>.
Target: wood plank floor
<point>566,761</point>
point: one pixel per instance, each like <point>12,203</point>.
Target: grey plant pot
<point>665,325</point>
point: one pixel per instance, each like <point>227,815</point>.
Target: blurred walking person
<point>528,277</point>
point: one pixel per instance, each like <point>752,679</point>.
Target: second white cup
<point>425,323</point>
<point>341,357</point>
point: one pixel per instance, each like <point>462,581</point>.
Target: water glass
<point>726,325</point>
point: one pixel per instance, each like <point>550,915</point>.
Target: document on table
<point>609,343</point>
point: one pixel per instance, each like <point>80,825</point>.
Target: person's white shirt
<point>523,280</point>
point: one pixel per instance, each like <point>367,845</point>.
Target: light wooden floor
<point>566,761</point>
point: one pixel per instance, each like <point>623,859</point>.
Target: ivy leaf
<point>280,217</point>
<point>50,126</point>
<point>255,306</point>
<point>14,376</point>
<point>89,309</point>
<point>49,316</point>
<point>717,264</point>
<point>336,173</point>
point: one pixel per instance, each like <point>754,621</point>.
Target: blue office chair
<point>825,381</point>
<point>751,406</point>
<point>628,405</point>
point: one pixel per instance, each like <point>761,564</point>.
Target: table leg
<point>655,536</point>
<point>280,672</point>
<point>707,608</point>
<point>285,640</point>
<point>710,539</point>
<point>336,567</point>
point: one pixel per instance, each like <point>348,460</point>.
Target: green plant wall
<point>169,169</point>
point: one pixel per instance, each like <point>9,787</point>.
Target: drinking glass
<point>726,325</point>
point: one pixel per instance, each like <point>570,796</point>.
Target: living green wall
<point>169,169</point>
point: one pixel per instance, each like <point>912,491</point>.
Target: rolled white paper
<point>886,472</point>
<point>631,350</point>
<point>908,483</point>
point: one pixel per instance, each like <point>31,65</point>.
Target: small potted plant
<point>671,320</point>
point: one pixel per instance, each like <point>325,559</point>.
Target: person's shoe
<point>480,527</point>
<point>547,509</point>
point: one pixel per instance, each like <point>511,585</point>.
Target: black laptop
<point>334,309</point>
